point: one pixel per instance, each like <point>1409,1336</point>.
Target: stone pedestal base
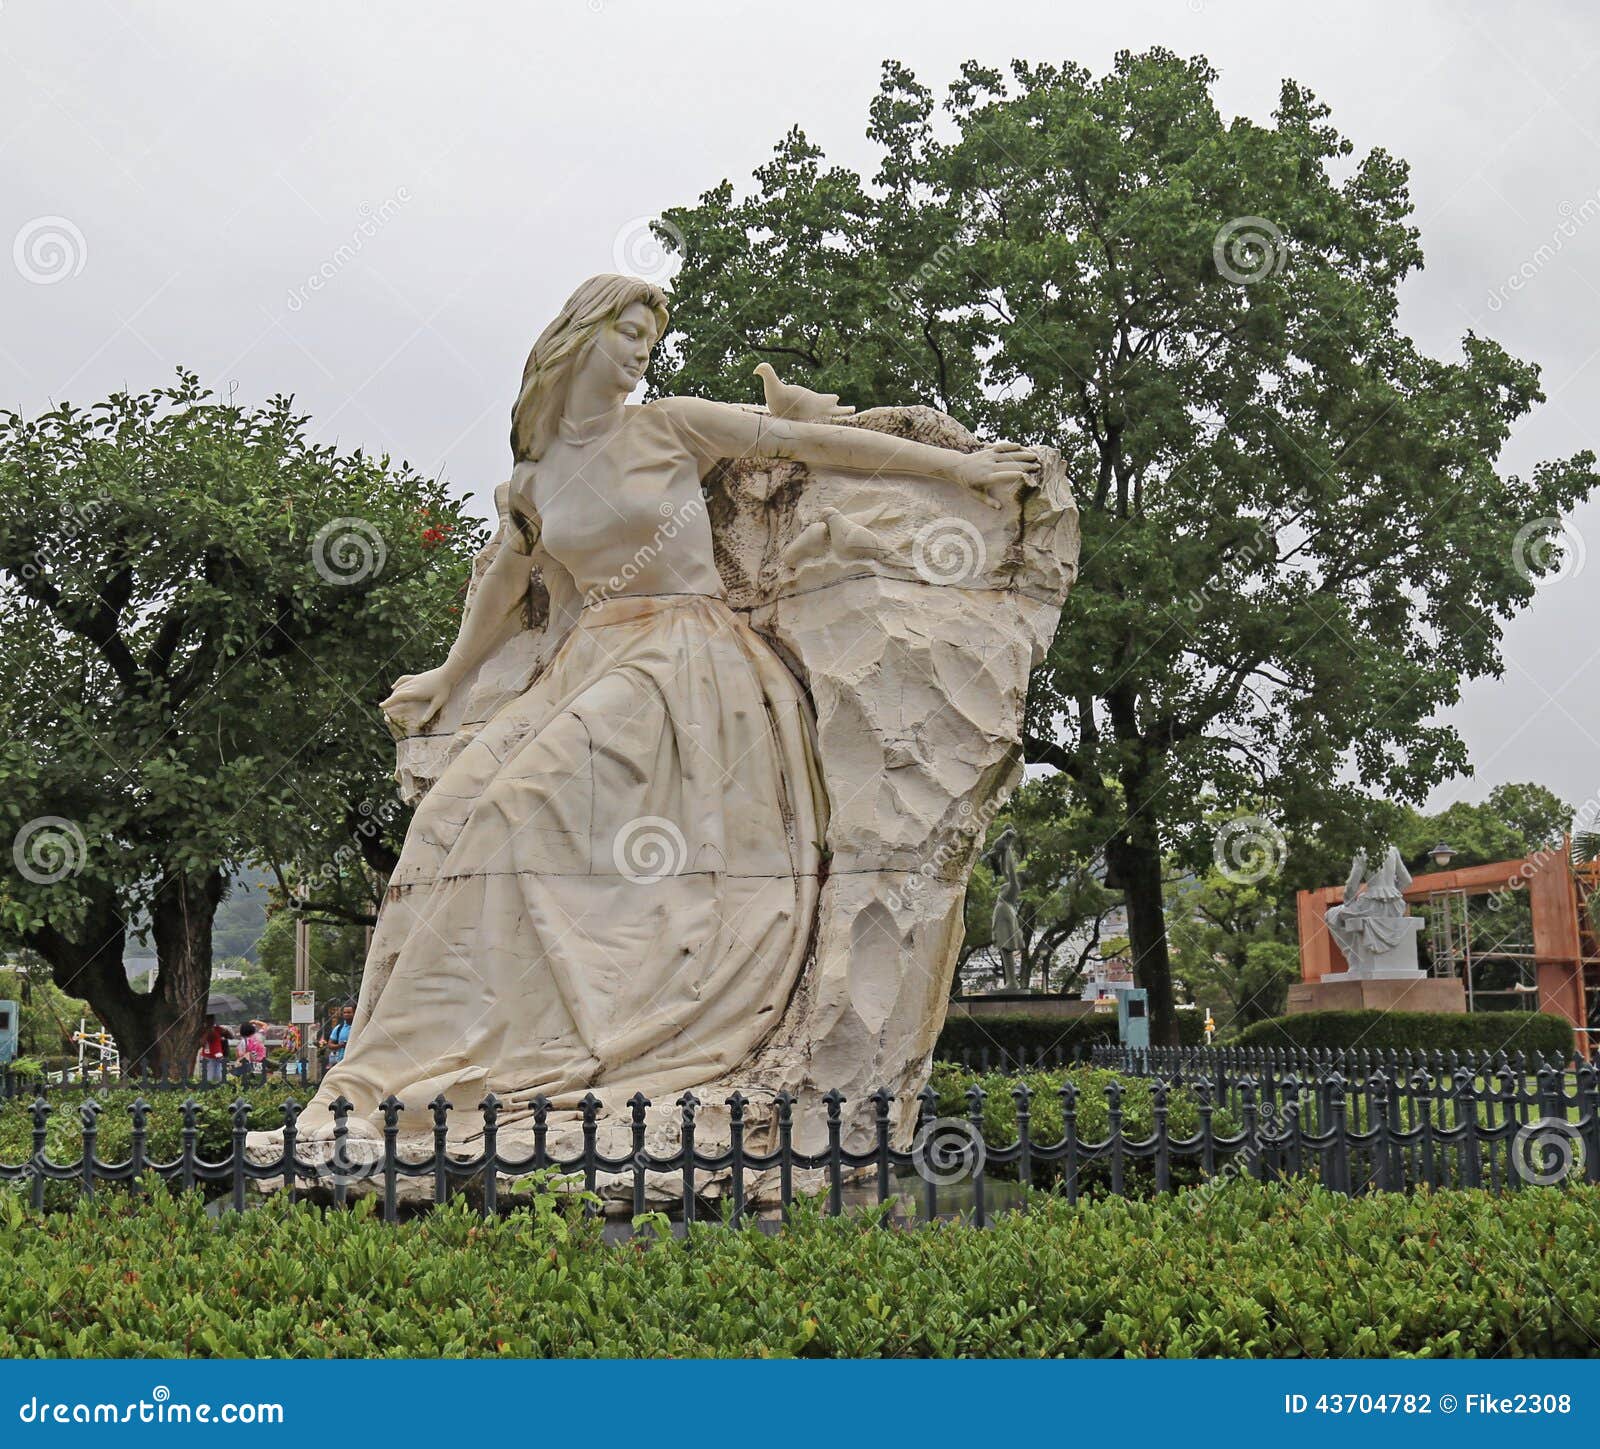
<point>1421,993</point>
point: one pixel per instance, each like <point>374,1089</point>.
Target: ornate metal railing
<point>1355,1064</point>
<point>988,1059</point>
<point>1504,1085</point>
<point>1306,1128</point>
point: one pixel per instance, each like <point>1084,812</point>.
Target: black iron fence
<point>1353,1137</point>
<point>1504,1084</point>
<point>1354,1064</point>
<point>988,1059</point>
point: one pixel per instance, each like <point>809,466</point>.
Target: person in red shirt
<point>213,1051</point>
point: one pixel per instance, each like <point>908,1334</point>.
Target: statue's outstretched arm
<point>730,432</point>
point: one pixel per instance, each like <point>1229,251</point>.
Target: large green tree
<point>1512,821</point>
<point>337,953</point>
<point>202,609</point>
<point>1296,540</point>
<point>1230,948</point>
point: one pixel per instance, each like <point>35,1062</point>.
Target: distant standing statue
<point>1373,927</point>
<point>1006,922</point>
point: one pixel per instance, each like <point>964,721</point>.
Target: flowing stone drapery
<point>912,613</point>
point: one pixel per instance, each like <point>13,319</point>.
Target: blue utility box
<point>1133,1018</point>
<point>8,1032</point>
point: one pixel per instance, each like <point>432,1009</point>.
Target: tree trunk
<point>1134,856</point>
<point>88,965</point>
<point>181,918</point>
<point>1135,870</point>
<point>159,1031</point>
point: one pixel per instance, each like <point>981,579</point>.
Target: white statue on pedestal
<point>1373,927</point>
<point>613,881</point>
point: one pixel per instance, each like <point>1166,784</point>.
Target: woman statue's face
<point>620,351</point>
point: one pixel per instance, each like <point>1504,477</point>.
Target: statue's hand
<point>418,697</point>
<point>997,466</point>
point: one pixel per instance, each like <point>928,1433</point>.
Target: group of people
<point>252,1051</point>
<point>252,1045</point>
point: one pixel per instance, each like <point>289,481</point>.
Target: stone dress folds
<point>611,888</point>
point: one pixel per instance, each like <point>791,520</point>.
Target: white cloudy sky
<point>214,157</point>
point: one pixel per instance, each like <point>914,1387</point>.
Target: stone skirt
<point>611,888</point>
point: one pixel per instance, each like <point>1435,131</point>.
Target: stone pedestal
<point>1345,992</point>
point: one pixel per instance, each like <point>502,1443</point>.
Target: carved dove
<point>799,404</point>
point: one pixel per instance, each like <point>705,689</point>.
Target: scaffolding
<point>1484,942</point>
<point>97,1052</point>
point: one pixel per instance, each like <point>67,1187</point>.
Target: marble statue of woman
<point>1372,921</point>
<point>612,886</point>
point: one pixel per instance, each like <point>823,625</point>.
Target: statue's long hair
<point>548,373</point>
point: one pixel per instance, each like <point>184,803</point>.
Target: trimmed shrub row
<point>1024,1032</point>
<point>1092,1115</point>
<point>1533,1033</point>
<point>950,1082</point>
<point>1244,1270</point>
<point>1019,1032</point>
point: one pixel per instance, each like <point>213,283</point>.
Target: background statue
<point>1374,924</point>
<point>1006,922</point>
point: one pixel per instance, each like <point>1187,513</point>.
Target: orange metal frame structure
<point>1566,950</point>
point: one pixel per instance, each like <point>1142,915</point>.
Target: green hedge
<point>1030,1032</point>
<point>1246,1271</point>
<point>950,1082</point>
<point>163,1122</point>
<point>1021,1032</point>
<point>1533,1033</point>
<point>114,1125</point>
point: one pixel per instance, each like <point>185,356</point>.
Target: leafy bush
<point>114,1126</point>
<point>1249,1271</point>
<point>1532,1033</point>
<point>1045,1123</point>
<point>1024,1034</point>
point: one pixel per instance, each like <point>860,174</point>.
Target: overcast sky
<point>174,177</point>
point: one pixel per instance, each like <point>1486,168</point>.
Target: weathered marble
<point>699,785</point>
<point>1374,928</point>
<point>916,657</point>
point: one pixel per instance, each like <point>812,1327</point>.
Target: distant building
<point>1105,979</point>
